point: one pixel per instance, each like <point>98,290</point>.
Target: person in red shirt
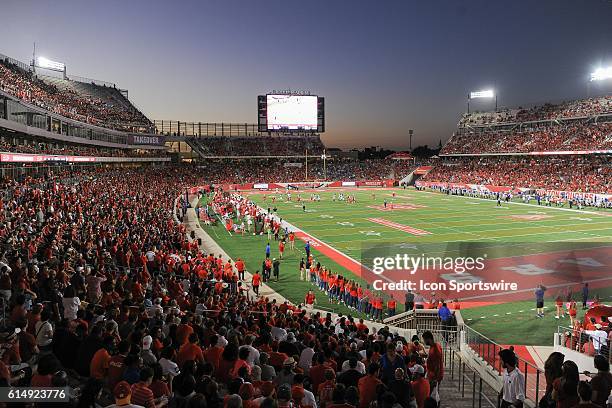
<point>142,394</point>
<point>292,240</point>
<point>116,365</point>
<point>100,362</point>
<point>559,306</point>
<point>310,299</point>
<point>213,353</point>
<point>281,248</point>
<point>183,331</point>
<point>240,268</point>
<point>435,360</point>
<point>391,306</point>
<point>367,386</point>
<point>256,281</point>
<point>420,386</point>
<point>190,351</point>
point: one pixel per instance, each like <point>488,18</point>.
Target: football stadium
<point>298,250</point>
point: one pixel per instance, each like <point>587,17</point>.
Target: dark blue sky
<point>384,66</point>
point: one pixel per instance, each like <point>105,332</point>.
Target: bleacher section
<point>572,109</point>
<point>94,104</point>
<point>269,146</point>
<point>587,173</point>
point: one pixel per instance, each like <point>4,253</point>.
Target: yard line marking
<point>395,225</point>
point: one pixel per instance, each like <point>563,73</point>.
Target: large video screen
<point>292,112</point>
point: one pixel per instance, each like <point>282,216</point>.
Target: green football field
<point>440,225</point>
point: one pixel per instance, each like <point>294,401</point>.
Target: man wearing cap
<point>300,395</point>
<point>286,374</point>
<point>598,336</point>
<point>420,386</point>
<point>513,391</point>
<point>402,389</point>
<point>123,396</point>
<point>148,358</point>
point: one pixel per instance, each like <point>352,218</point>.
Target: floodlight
<point>46,63</point>
<point>601,74</point>
<point>489,93</point>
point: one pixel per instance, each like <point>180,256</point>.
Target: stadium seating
<point>570,109</point>
<point>90,103</point>
<point>541,138</point>
<point>564,173</point>
<point>258,146</point>
<point>77,150</point>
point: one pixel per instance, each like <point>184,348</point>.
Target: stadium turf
<point>444,224</point>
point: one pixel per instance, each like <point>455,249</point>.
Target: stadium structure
<point>78,161</point>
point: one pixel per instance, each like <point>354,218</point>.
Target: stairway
<point>462,387</point>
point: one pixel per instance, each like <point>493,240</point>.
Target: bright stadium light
<point>489,93</point>
<point>601,74</point>
<point>484,94</point>
<point>46,63</point>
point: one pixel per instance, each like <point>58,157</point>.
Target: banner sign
<point>146,140</point>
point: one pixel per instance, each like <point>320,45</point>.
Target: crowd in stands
<point>260,146</point>
<point>78,150</point>
<point>571,109</point>
<point>542,138</point>
<point>104,292</point>
<point>105,112</point>
<point>275,170</point>
<point>591,174</point>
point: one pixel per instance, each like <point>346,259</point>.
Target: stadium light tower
<point>324,157</point>
<point>486,94</point>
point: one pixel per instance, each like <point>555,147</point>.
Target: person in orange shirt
<point>256,281</point>
<point>213,353</point>
<point>435,360</point>
<point>292,240</point>
<point>98,368</point>
<point>391,306</point>
<point>420,386</point>
<point>367,386</point>
<point>190,351</point>
<point>183,331</point>
<point>310,298</point>
<point>281,248</point>
<point>240,268</point>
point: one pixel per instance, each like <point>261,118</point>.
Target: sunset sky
<point>383,66</point>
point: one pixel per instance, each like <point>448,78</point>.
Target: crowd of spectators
<point>77,150</point>
<point>542,138</point>
<point>260,146</point>
<point>105,293</point>
<point>287,170</point>
<point>571,109</point>
<point>105,112</point>
<point>592,174</point>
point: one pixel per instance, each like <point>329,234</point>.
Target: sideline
<point>209,245</point>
